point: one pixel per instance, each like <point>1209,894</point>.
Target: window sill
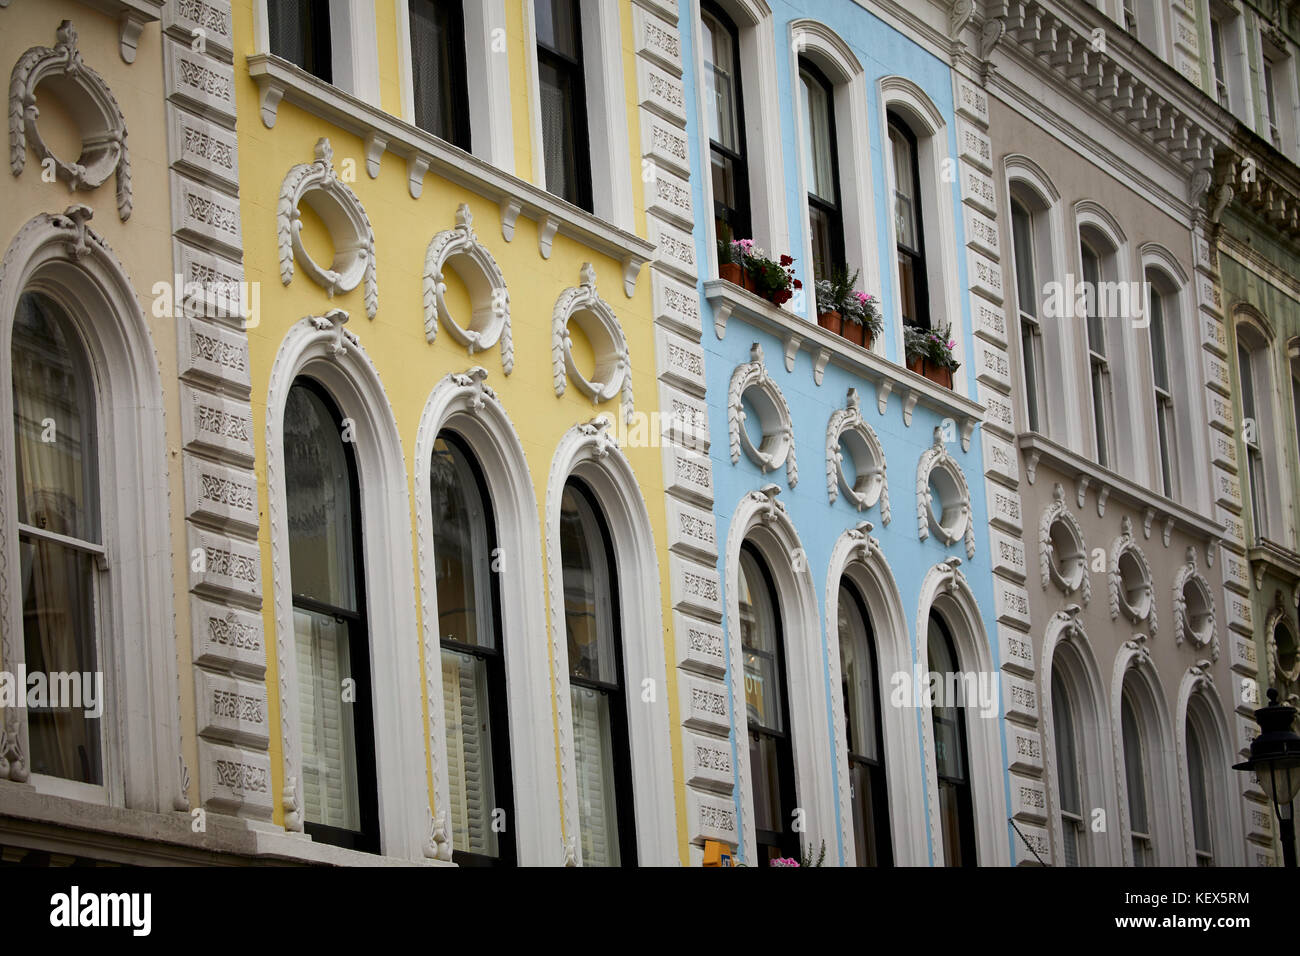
<point>728,299</point>
<point>278,79</point>
<point>1089,474</point>
<point>73,828</point>
<point>1267,556</point>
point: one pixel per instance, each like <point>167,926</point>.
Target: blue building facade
<point>849,491</point>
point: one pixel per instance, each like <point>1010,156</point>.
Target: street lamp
<point>1275,759</point>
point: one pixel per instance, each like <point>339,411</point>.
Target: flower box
<point>735,273</point>
<point>931,370</point>
<point>830,321</point>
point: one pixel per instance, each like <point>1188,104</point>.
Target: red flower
<point>787,261</point>
<point>798,284</point>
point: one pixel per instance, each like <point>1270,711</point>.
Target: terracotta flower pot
<point>830,321</point>
<point>916,363</point>
<point>853,331</point>
<point>931,370</point>
<point>867,338</point>
<point>734,273</point>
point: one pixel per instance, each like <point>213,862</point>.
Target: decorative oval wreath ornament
<point>1131,591</point>
<point>847,434</point>
<point>596,320</point>
<point>951,521</point>
<point>460,251</point>
<point>61,73</point>
<point>750,382</point>
<point>317,185</point>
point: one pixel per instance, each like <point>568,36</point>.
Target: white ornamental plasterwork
<point>86,98</point>
<point>338,207</point>
<point>952,521</point>
<point>460,251</point>
<point>596,319</point>
<point>750,382</point>
<point>1195,623</point>
<point>1069,572</point>
<point>1142,607</point>
<point>848,434</point>
<point>1277,673</point>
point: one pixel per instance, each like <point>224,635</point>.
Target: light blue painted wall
<point>882,52</point>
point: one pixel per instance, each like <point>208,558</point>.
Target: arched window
<point>861,685</point>
<point>720,39</point>
<point>951,754</point>
<point>1135,775</point>
<point>1255,385</point>
<point>771,752</point>
<point>1097,259</point>
<point>1159,300</point>
<point>821,159</point>
<point>1028,235</point>
<point>600,735</point>
<point>438,76</point>
<point>909,231</point>
<point>62,557</point>
<point>1200,792</point>
<point>473,661</point>
<point>1069,793</point>
<point>331,634</point>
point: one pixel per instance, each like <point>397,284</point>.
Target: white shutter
<point>328,792</point>
<point>595,772</point>
<point>467,755</point>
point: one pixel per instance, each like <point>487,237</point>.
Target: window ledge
<point>73,828</point>
<point>1266,555</point>
<point>131,16</point>
<point>277,79</point>
<point>728,299</point>
<point>1089,474</point>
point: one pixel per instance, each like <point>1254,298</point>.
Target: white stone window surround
<point>762,521</point>
<point>1237,69</point>
<point>857,558</point>
<point>1026,180</point>
<point>1283,63</point>
<point>817,43</point>
<point>913,105</point>
<point>763,154</point>
<point>1066,645</point>
<point>1185,360</point>
<point>463,404</point>
<point>311,348</point>
<point>1135,673</point>
<point>1253,330</point>
<point>946,591</point>
<point>487,78</point>
<point>604,84</point>
<point>590,452</point>
<point>63,258</point>
<point>1198,701</point>
<point>1096,224</point>
<point>354,45</point>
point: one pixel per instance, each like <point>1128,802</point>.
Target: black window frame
<point>619,731</point>
<point>495,667</point>
<point>573,70</point>
<point>738,218</point>
<point>877,772</point>
<point>454,25</point>
<point>317,47</point>
<point>367,839</point>
<point>834,213</point>
<point>964,787</point>
<point>786,841</point>
<point>917,256</point>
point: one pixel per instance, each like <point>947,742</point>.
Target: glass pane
<point>469,752</point>
<point>758,638</point>
<point>949,736</point>
<point>904,188</point>
<point>588,583</point>
<point>329,743</point>
<point>907,289</point>
<point>1070,837</point>
<point>54,423</point>
<point>823,247</point>
<point>462,550</point>
<point>1067,758</point>
<point>1022,229</point>
<point>300,32</point>
<point>558,144</point>
<point>765,771</point>
<point>858,671</point>
<point>724,186</point>
<point>557,26</point>
<point>1247,381</point>
<point>818,151</point>
<point>318,484</point>
<point>1164,414</point>
<point>952,800</point>
<point>593,756</point>
<point>434,30</point>
<point>59,639</point>
<point>721,83</point>
<point>1029,354</point>
<point>1099,399</point>
<point>1196,770</point>
<point>1134,771</point>
<point>1159,358</point>
<point>866,782</point>
<point>1092,280</point>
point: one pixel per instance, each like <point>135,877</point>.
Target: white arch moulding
<point>847,433</point>
<point>946,591</point>
<point>591,453</point>
<point>1198,700</point>
<point>464,404</point>
<point>338,207</point>
<point>319,347</point>
<point>60,256</point>
<point>1083,677</point>
<point>857,558</point>
<point>460,251</point>
<point>1157,732</point>
<point>597,321</point>
<point>762,520</point>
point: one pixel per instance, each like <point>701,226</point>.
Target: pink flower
<point>952,344</point>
